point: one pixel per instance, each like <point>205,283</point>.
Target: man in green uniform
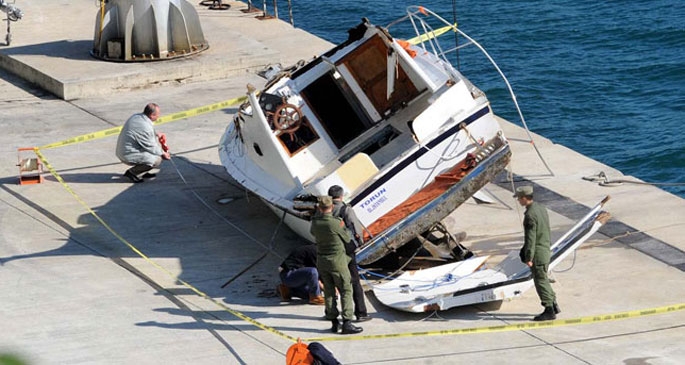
<point>536,252</point>
<point>331,235</point>
<point>354,227</point>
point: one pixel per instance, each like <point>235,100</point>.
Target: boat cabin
<point>332,119</point>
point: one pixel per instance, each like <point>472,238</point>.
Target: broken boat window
<point>269,102</point>
<point>339,112</point>
<point>292,141</point>
<point>299,139</point>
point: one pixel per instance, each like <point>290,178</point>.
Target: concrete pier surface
<point>175,270</point>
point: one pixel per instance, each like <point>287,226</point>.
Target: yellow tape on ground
<point>457,331</point>
<point>152,262</point>
<point>162,120</point>
<point>200,110</point>
<point>513,327</point>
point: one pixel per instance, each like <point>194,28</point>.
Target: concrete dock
<point>111,272</point>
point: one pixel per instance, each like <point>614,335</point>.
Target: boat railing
<point>427,37</point>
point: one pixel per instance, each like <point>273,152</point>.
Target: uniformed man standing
<point>536,250</point>
<point>330,235</point>
<point>354,227</point>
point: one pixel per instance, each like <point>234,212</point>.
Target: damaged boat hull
<point>424,218</point>
<point>467,282</point>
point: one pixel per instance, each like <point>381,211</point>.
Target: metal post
<point>276,8</point>
<point>264,8</point>
<point>250,8</point>
<point>290,11</point>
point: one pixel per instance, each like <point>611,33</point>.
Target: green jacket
<point>330,235</point>
<point>536,235</point>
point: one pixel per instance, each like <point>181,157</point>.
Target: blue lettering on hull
<point>374,201</point>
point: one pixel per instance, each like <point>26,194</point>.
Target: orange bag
<point>298,354</point>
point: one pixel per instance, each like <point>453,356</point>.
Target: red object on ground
<point>162,141</point>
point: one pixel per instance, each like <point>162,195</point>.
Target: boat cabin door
<point>368,65</point>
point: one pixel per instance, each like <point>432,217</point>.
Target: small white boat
<point>470,281</point>
<point>406,135</point>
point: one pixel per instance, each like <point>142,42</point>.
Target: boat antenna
<point>456,35</point>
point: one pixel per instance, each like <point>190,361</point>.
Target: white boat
<point>471,281</point>
<point>406,135</point>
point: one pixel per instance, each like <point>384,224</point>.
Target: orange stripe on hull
<point>440,184</point>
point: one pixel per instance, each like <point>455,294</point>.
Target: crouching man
<point>299,276</point>
<point>138,145</point>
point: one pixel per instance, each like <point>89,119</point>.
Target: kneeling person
<point>138,144</point>
<point>299,276</point>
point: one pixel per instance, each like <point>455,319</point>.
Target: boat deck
<point>73,292</point>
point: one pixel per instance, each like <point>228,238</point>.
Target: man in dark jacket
<point>536,250</point>
<point>299,276</point>
<point>330,235</point>
<point>354,227</point>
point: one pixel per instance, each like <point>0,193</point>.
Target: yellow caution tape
<point>430,35</point>
<point>162,120</point>
<point>458,331</point>
<point>200,110</point>
<point>152,262</point>
<point>514,327</point>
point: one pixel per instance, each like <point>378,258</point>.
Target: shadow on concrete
<point>182,219</point>
<point>317,324</point>
<point>169,218</point>
<point>91,178</point>
<point>166,217</point>
<point>69,49</point>
<point>30,88</point>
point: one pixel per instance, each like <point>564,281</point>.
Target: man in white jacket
<point>138,144</point>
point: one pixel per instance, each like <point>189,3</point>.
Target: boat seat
<point>356,171</point>
<point>350,175</point>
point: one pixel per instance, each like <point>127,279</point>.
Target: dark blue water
<point>605,78</point>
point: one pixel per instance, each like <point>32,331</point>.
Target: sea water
<point>604,78</point>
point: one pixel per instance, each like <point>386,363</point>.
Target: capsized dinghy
<point>470,282</point>
<point>406,135</point>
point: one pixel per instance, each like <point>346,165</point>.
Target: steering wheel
<point>287,118</point>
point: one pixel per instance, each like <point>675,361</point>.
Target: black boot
<point>547,315</point>
<point>133,177</point>
<point>556,308</point>
<point>348,328</point>
<point>336,326</point>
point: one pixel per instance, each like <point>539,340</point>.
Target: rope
<point>607,241</point>
<point>411,14</point>
<point>260,258</point>
<point>573,263</point>
<point>250,237</point>
<point>604,180</point>
<point>387,277</point>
